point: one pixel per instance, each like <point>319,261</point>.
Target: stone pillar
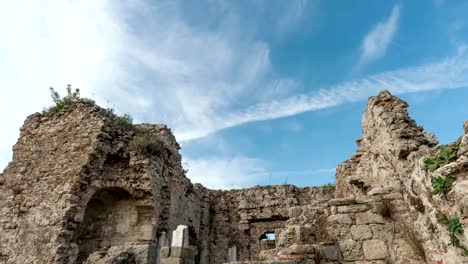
<point>232,254</point>
<point>163,241</point>
<point>179,252</point>
<point>180,237</point>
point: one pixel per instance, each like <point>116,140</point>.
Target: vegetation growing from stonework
<point>441,184</point>
<point>454,228</point>
<point>60,103</point>
<point>126,121</point>
<point>329,188</point>
<point>447,154</point>
<point>385,209</point>
<point>146,144</point>
<point>143,142</point>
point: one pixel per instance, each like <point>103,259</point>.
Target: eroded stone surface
<point>374,249</point>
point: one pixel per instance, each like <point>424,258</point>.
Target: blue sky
<point>257,92</point>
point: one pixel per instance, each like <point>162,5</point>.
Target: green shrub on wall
<point>126,121</point>
<point>441,184</point>
<point>60,103</point>
<point>454,227</point>
<point>446,155</point>
<point>148,145</point>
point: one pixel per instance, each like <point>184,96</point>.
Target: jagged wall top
<point>389,137</point>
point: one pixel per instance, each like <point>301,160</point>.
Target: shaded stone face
<point>110,219</point>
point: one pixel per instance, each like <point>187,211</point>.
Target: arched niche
<point>110,219</point>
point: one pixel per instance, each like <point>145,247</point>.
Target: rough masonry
<point>77,191</point>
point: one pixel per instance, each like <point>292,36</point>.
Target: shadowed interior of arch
<point>110,219</point>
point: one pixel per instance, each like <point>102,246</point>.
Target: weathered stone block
<point>147,232</point>
<point>232,254</point>
<point>180,237</point>
<point>302,249</point>
<point>165,252</point>
<point>374,249</point>
<point>163,240</point>
<point>295,211</point>
<point>176,261</point>
<point>331,252</point>
<point>354,208</point>
<point>340,219</point>
<point>370,262</point>
<point>369,218</point>
<point>182,252</point>
<point>350,249</point>
<point>361,232</point>
<point>302,233</point>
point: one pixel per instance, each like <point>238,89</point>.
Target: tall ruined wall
<point>75,186</point>
<point>390,155</point>
<point>381,160</point>
<point>427,207</point>
<point>36,188</point>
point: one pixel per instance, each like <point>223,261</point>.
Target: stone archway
<point>110,219</point>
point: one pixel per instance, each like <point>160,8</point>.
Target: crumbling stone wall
<point>349,230</point>
<point>240,217</point>
<point>390,155</point>
<point>62,164</point>
<point>76,192</point>
<point>381,160</point>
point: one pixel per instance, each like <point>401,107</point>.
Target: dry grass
<point>385,209</point>
<point>148,145</point>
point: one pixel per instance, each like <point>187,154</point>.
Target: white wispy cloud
<point>448,73</point>
<point>294,12</point>
<point>376,42</point>
<point>226,172</point>
<point>240,171</point>
<point>144,58</point>
<point>136,56</point>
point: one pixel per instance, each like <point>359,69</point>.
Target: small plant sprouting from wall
<point>329,188</point>
<point>446,154</point>
<point>454,228</point>
<point>126,121</point>
<point>441,184</point>
<point>385,209</point>
<point>148,145</point>
<point>60,103</point>
<point>262,258</point>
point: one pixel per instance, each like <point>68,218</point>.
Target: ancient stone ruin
<point>83,188</point>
